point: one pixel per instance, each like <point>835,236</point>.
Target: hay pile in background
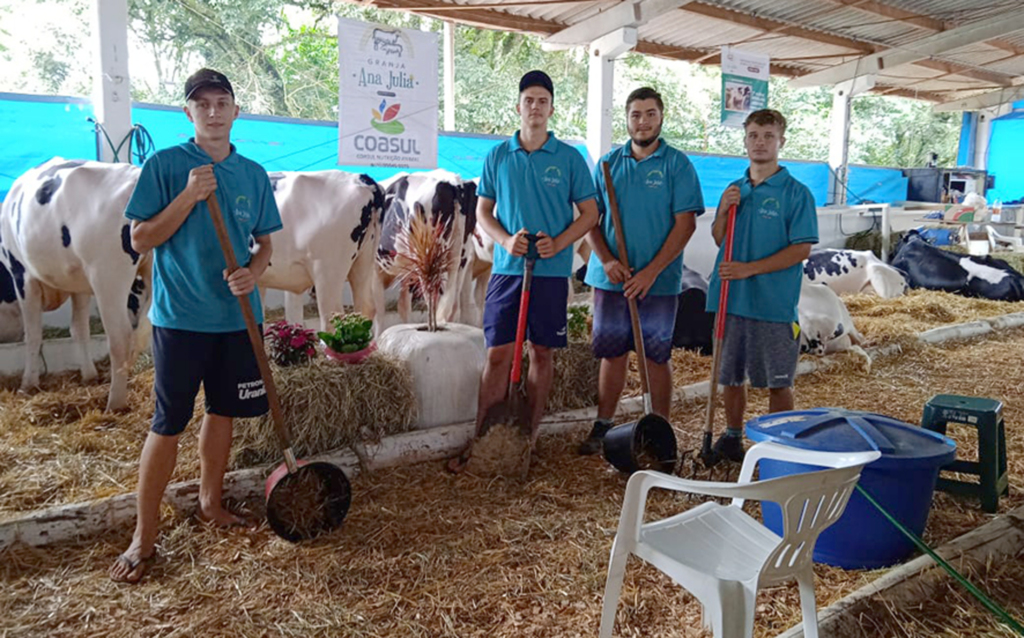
<point>426,554</point>
<point>884,320</point>
<point>575,380</point>
<point>329,406</point>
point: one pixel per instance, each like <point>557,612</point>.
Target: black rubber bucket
<point>647,444</point>
<point>333,493</point>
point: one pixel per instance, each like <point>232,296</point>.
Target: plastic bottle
<point>997,211</point>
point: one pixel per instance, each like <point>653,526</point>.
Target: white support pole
<point>839,140</point>
<point>984,133</point>
<point>600,84</point>
<point>449,76</point>
<point>111,97</point>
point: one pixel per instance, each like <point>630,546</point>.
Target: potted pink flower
<point>290,343</point>
<point>352,339</point>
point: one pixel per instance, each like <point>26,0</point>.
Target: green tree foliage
<point>900,132</point>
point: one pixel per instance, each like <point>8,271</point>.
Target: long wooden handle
<point>723,306</point>
<point>254,337</point>
<point>634,312</point>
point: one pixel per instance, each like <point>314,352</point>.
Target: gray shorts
<point>766,352</point>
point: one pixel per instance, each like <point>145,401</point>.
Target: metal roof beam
<point>983,101</point>
<point>625,14</point>
<point>916,51</point>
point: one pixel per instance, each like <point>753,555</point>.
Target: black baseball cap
<point>207,78</point>
<point>537,78</point>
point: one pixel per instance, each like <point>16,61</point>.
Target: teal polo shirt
<point>776,213</point>
<point>650,192</point>
<point>535,191</point>
<point>189,291</point>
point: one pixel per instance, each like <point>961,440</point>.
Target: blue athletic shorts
<point>613,329</point>
<point>223,362</point>
<point>766,352</point>
<point>547,320</point>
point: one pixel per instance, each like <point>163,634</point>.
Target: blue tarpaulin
<point>36,128</point>
<point>1005,155</point>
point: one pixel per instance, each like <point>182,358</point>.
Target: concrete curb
<point>77,520</point>
<point>921,577</point>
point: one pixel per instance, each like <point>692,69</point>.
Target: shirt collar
<point>776,178</point>
<point>198,151</point>
<point>627,150</point>
<point>549,146</point>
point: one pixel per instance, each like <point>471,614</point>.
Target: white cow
<point>853,271</point>
<point>63,233</point>
<point>825,324</point>
<point>332,222</point>
<point>451,200</point>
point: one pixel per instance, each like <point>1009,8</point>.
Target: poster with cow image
<point>744,85</point>
<point>387,96</point>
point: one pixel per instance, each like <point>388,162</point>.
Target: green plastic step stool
<point>987,416</point>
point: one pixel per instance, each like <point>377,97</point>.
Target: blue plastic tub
<point>902,480</point>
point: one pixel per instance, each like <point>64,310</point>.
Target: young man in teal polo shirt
<point>199,333</point>
<point>659,200</point>
<point>776,225</point>
<point>529,186</point>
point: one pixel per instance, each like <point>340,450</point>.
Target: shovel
<point>652,435</point>
<point>322,487</point>
<point>708,455</point>
<point>512,414</point>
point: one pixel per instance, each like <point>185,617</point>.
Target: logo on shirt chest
<point>243,209</point>
<point>769,208</point>
<point>552,176</point>
<point>654,179</point>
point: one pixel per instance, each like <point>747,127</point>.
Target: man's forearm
<point>595,237</point>
<point>159,228</point>
<point>579,227</point>
<point>491,226</point>
<point>677,239</point>
<point>788,256</point>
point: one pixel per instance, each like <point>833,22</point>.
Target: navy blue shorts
<point>546,320</point>
<point>613,329</point>
<point>222,361</point>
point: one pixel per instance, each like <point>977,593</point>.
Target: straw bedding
<point>424,553</point>
<point>58,446</point>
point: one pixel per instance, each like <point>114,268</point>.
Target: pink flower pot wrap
<point>351,357</point>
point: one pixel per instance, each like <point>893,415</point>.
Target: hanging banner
<point>387,96</point>
<point>744,85</point>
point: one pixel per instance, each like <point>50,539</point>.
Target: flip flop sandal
<point>457,464</point>
<point>144,563</point>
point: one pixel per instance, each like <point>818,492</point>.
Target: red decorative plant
<point>290,343</point>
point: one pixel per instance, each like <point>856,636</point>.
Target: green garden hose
<point>988,603</point>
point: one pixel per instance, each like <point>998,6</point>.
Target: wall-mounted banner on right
<point>744,85</point>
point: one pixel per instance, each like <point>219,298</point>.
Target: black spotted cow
<point>854,271</point>
<point>10,308</point>
<point>825,323</point>
<point>967,275</point>
<point>332,222</point>
<point>63,233</point>
<point>451,201</point>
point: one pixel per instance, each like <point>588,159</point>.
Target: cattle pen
<point>424,553</point>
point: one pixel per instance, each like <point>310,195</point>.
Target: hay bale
<point>575,380</point>
<point>329,406</point>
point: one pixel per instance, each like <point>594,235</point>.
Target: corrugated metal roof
<point>798,34</point>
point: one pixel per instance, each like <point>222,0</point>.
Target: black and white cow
<point>331,229</point>
<point>854,271</point>
<point>968,275</point>
<point>825,323</point>
<point>451,201</point>
<point>694,324</point>
<point>10,309</point>
<point>63,233</point>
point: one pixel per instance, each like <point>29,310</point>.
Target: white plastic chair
<point>721,554</point>
<point>996,240</point>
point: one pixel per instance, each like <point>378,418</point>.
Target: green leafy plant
<point>579,323</point>
<point>352,333</point>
